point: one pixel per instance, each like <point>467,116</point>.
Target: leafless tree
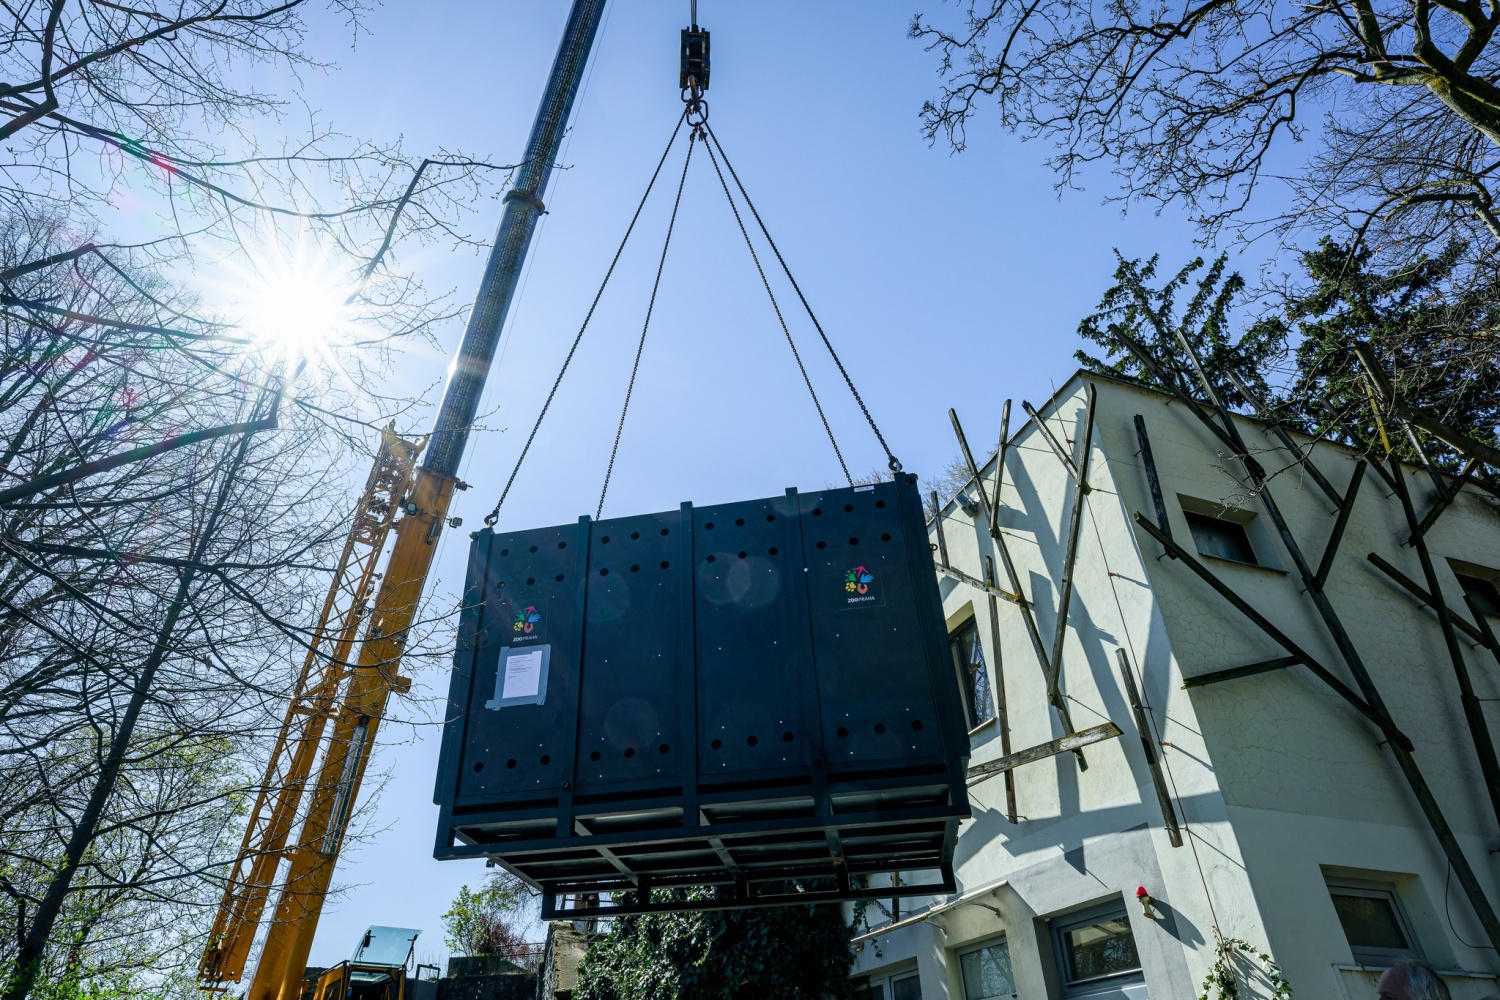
<point>1391,105</point>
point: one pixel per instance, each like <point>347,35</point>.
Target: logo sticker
<point>527,620</point>
<point>860,589</point>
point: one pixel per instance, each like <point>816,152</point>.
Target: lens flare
<point>294,304</point>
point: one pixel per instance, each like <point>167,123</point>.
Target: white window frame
<point>1376,890</point>
<point>1113,983</point>
<point>887,981</point>
<point>975,948</point>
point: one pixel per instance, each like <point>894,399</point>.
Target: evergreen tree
<point>1133,308</point>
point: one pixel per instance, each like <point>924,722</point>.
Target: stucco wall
<point>1276,777</point>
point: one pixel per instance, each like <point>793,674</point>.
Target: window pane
<point>968,656</point>
<point>1484,592</point>
<point>1103,948</point>
<point>987,973</point>
<point>907,989</point>
<point>1369,922</point>
<point>1216,537</point>
<point>873,992</point>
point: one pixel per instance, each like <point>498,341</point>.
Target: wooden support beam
<point>1274,426</point>
<point>1152,480</point>
<point>1051,439</point>
<point>1401,749</point>
<point>1479,730</point>
<point>1248,670</point>
<point>1446,496</point>
<point>1002,712</point>
<point>1280,637</point>
<point>937,523</point>
<point>962,577</point>
<point>1058,704</point>
<point>1416,590</point>
<point>1148,746</point>
<point>1000,466</point>
<point>1070,552</point>
<point>1072,741</point>
<point>1346,506</point>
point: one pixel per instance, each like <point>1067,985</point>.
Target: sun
<point>294,303</point>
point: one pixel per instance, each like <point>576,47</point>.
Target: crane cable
<point>695,114</point>
<point>894,464</point>
<point>650,308</point>
<point>493,516</point>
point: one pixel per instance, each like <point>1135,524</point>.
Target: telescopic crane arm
<point>356,719</point>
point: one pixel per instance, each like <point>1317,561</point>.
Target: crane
<point>410,501</point>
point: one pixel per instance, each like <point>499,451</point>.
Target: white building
<point>1299,833</point>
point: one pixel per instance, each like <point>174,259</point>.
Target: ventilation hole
<point>885,537</point>
<point>739,522</point>
<point>605,540</point>
<point>634,535</point>
<point>713,559</point>
<point>717,744</point>
<point>817,512</point>
<point>916,724</point>
<point>531,581</point>
<point>880,503</point>
<point>709,526</point>
<point>604,571</point>
<point>511,763</point>
<point>505,552</point>
<point>562,545</point>
<point>854,541</point>
<point>635,567</point>
<point>533,548</point>
<point>750,741</point>
<point>664,748</point>
<point>546,760</point>
<point>665,564</point>
<point>774,550</point>
<point>770,518</point>
<point>743,554</point>
<point>822,545</point>
<point>787,737</point>
<point>665,532</point>
<point>478,766</point>
<point>843,733</point>
<point>595,755</point>
<point>880,729</point>
<point>630,751</point>
<point>848,508</point>
<point>558,578</point>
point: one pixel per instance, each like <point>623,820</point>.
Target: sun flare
<point>294,303</point>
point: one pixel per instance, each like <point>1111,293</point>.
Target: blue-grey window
<point>1096,950</point>
<point>1221,537</point>
<point>973,675</point>
<point>903,986</point>
<point>1372,921</point>
<point>986,972</point>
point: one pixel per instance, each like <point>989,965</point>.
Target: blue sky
<point>943,281</point>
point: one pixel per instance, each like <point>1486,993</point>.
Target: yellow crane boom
<point>428,493</point>
<point>325,668</point>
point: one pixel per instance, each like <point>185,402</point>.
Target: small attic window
<point>1221,538</point>
<point>1479,584</point>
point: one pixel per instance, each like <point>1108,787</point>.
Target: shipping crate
<point>754,696</point>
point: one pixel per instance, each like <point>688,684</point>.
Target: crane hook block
<point>694,58</point>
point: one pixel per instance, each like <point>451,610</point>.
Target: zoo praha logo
<point>526,620</point>
<point>859,588</point>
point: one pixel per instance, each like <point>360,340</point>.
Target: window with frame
<point>1373,922</point>
<point>1220,537</point>
<point>902,986</point>
<point>1096,950</point>
<point>987,973</point>
<point>973,675</point>
<point>1482,590</point>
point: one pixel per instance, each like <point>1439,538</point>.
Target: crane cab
<point>376,972</point>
